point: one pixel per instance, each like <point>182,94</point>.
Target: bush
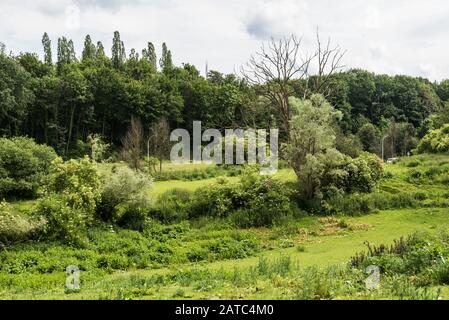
<point>132,215</point>
<point>356,204</point>
<point>16,227</point>
<point>436,141</point>
<point>71,193</point>
<point>442,274</point>
<point>413,164</point>
<point>99,148</point>
<point>215,200</point>
<point>77,180</point>
<point>230,248</point>
<point>422,255</point>
<point>22,165</point>
<point>330,174</point>
<point>254,201</point>
<point>172,206</point>
<point>365,173</point>
<point>64,222</point>
<point>125,187</point>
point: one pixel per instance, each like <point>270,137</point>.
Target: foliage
<point>15,227</point>
<point>172,206</point>
<point>436,141</point>
<point>64,222</point>
<point>254,201</point>
<point>118,249</point>
<point>421,255</point>
<point>200,174</point>
<point>77,181</point>
<point>71,192</point>
<point>311,136</point>
<point>22,164</point>
<point>123,187</point>
<point>99,148</point>
<point>369,136</point>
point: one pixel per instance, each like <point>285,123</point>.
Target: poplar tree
<point>89,49</point>
<point>152,55</point>
<point>71,48</point>
<point>100,50</point>
<point>166,62</point>
<point>63,55</point>
<point>118,51</point>
<point>47,49</point>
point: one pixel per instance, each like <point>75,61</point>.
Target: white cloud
<point>72,17</point>
<point>278,18</point>
<point>406,36</point>
<point>373,20</point>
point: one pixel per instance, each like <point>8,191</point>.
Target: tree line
<point>61,101</point>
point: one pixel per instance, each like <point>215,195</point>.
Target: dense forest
<point>61,100</point>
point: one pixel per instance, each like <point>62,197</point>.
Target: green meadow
<point>305,256</point>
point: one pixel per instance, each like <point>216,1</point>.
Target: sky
<point>384,36</point>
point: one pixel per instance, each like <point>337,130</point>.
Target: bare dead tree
<point>328,60</point>
<point>278,62</point>
<point>273,67</point>
<point>132,144</point>
<point>159,140</point>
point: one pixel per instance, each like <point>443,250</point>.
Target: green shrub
<point>388,175</point>
<point>197,253</point>
<point>22,165</point>
<point>421,255</point>
<point>64,222</point>
<point>99,148</point>
<point>330,174</point>
<point>77,181</point>
<point>365,173</point>
<point>230,248</point>
<point>436,141</point>
<point>413,164</point>
<point>71,193</point>
<point>16,227</point>
<point>216,200</point>
<point>78,150</point>
<point>254,201</point>
<point>317,285</point>
<point>441,274</point>
<point>444,179</point>
<point>172,206</point>
<point>123,187</point>
<point>356,204</point>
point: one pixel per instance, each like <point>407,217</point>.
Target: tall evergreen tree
<point>47,49</point>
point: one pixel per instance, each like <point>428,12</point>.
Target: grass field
<point>327,246</point>
<point>291,248</point>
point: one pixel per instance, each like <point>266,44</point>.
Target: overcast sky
<point>386,36</point>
